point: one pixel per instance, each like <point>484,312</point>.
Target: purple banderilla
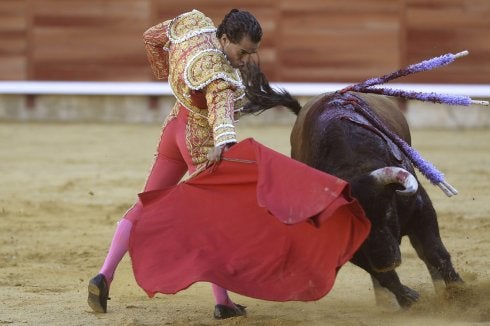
<point>425,167</point>
<point>368,85</point>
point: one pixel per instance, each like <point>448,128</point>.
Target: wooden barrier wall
<point>304,41</point>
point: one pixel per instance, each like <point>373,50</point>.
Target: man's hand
<point>216,153</point>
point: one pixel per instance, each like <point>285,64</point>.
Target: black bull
<point>331,135</point>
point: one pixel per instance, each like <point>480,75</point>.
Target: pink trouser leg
<point>221,296</point>
<point>117,250</point>
<point>171,163</point>
<point>120,241</point>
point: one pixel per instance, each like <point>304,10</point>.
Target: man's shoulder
<point>209,65</point>
<point>189,24</point>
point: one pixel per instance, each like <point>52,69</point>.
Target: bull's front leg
<point>404,295</point>
<point>389,280</point>
<point>425,238</point>
<point>438,262</point>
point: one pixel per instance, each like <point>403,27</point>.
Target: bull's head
<point>375,191</point>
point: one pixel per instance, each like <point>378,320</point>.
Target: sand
<point>64,187</point>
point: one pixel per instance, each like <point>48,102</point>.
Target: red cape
<point>259,224</point>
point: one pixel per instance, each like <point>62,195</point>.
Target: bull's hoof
<point>456,291</point>
<point>407,297</point>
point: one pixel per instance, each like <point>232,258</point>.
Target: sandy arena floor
<point>64,187</point>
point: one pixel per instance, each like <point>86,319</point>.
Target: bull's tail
<point>262,96</point>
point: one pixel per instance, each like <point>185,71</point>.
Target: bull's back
<point>332,144</point>
<point>387,109</point>
<point>389,112</point>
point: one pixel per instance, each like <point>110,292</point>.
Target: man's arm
<point>220,98</point>
<point>156,44</point>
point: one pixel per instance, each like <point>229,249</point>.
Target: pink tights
<point>117,250</point>
<point>171,163</point>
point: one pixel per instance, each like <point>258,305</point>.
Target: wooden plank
<point>96,40</point>
<point>450,26</point>
<point>13,45</point>
<point>334,6</point>
<point>321,44</point>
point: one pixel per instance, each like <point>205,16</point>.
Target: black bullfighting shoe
<point>222,312</point>
<point>98,293</point>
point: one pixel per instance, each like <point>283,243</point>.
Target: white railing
<point>163,89</point>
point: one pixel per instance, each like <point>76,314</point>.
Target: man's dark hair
<point>237,24</point>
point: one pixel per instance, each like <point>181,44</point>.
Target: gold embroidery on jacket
<point>199,138</point>
<point>188,25</point>
<point>208,65</point>
<point>156,44</point>
<point>221,104</point>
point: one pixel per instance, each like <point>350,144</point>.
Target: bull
<point>332,133</point>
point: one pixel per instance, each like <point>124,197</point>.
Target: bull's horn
<point>393,174</point>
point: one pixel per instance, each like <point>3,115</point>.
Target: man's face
<point>239,54</point>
